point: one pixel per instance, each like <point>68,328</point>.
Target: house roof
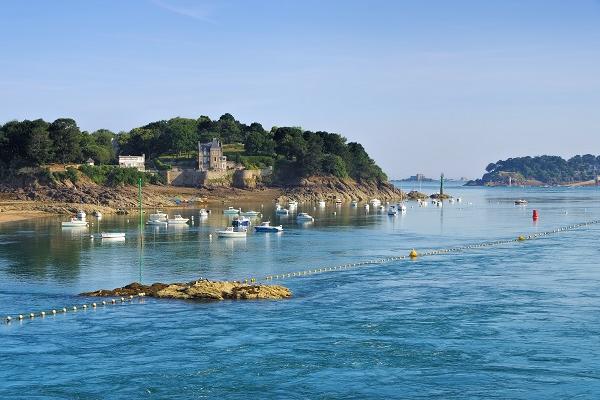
<point>215,143</point>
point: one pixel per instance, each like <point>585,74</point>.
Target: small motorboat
<point>158,216</point>
<point>203,213</point>
<point>177,220</point>
<point>97,214</point>
<point>401,208</point>
<point>451,200</point>
<point>230,232</point>
<point>293,204</point>
<point>282,211</point>
<point>304,217</point>
<point>393,211</point>
<point>521,202</point>
<point>267,227</point>
<point>112,235</point>
<point>77,221</point>
<point>321,203</point>
<point>381,208</point>
<point>458,199</point>
<point>156,222</point>
<point>338,202</point>
<point>366,207</point>
<point>240,221</point>
<point>354,204</point>
<point>249,213</point>
<point>231,211</point>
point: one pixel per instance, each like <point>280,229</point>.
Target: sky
<point>426,86</point>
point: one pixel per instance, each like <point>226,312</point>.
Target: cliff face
<point>331,188</point>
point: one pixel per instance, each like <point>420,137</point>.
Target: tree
<point>228,129</point>
<point>181,134</point>
<point>65,136</point>
<point>258,141</point>
<point>334,165</point>
<point>313,154</point>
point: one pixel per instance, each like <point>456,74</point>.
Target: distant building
<point>210,156</point>
<point>90,162</point>
<point>138,162</point>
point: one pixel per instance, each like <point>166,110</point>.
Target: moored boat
<point>240,221</point>
<point>112,235</point>
<point>249,213</point>
<point>77,221</point>
<point>230,232</point>
<point>177,220</point>
<point>203,213</point>
<point>156,222</point>
<point>158,216</point>
<point>392,211</point>
<point>321,203</point>
<point>354,203</point>
<point>231,211</point>
<point>267,227</point>
<point>304,217</point>
<point>375,202</point>
<point>282,211</point>
<point>521,202</point>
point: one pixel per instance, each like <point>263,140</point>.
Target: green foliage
<point>72,174</point>
<point>546,169</point>
<point>298,153</point>
<point>116,176</point>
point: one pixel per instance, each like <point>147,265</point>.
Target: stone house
<point>138,162</point>
<point>210,156</point>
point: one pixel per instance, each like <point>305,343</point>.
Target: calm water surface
<point>519,321</point>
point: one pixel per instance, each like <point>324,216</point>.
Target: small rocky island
<point>198,290</point>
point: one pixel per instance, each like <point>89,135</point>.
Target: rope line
<point>71,309</point>
<point>413,254</point>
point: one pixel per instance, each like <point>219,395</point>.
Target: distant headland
<point>580,170</point>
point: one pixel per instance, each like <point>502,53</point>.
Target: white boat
<point>267,227</point>
<point>292,203</point>
<point>392,211</point>
<point>231,211</point>
<point>157,222</point>
<point>112,235</point>
<point>321,203</point>
<point>521,202</point>
<point>282,211</point>
<point>304,217</point>
<point>375,202</point>
<point>74,222</point>
<point>230,232</point>
<point>158,216</point>
<point>203,213</point>
<point>366,207</point>
<point>249,213</point>
<point>177,220</point>
<point>401,208</point>
<point>354,203</point>
<point>338,202</point>
<point>381,208</point>
<point>97,214</point>
<point>77,221</point>
<point>240,221</point>
<point>451,200</point>
<point>458,199</point>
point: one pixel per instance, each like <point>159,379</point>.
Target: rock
<point>199,290</point>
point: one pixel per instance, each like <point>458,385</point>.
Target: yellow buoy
<point>521,238</point>
<point>413,254</point>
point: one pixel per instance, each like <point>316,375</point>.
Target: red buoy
<point>535,215</point>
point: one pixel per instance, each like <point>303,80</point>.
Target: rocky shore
<point>332,188</point>
<point>199,290</point>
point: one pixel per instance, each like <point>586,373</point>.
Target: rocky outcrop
<point>199,290</point>
<point>414,195</point>
<point>331,188</point>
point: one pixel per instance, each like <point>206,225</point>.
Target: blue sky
<point>426,86</point>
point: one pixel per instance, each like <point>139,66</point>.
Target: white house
<point>133,162</point>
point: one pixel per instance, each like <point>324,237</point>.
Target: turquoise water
<point>516,321</point>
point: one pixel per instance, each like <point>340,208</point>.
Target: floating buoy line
<point>71,309</point>
<point>412,255</point>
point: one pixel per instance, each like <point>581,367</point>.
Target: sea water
<point>515,321</point>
